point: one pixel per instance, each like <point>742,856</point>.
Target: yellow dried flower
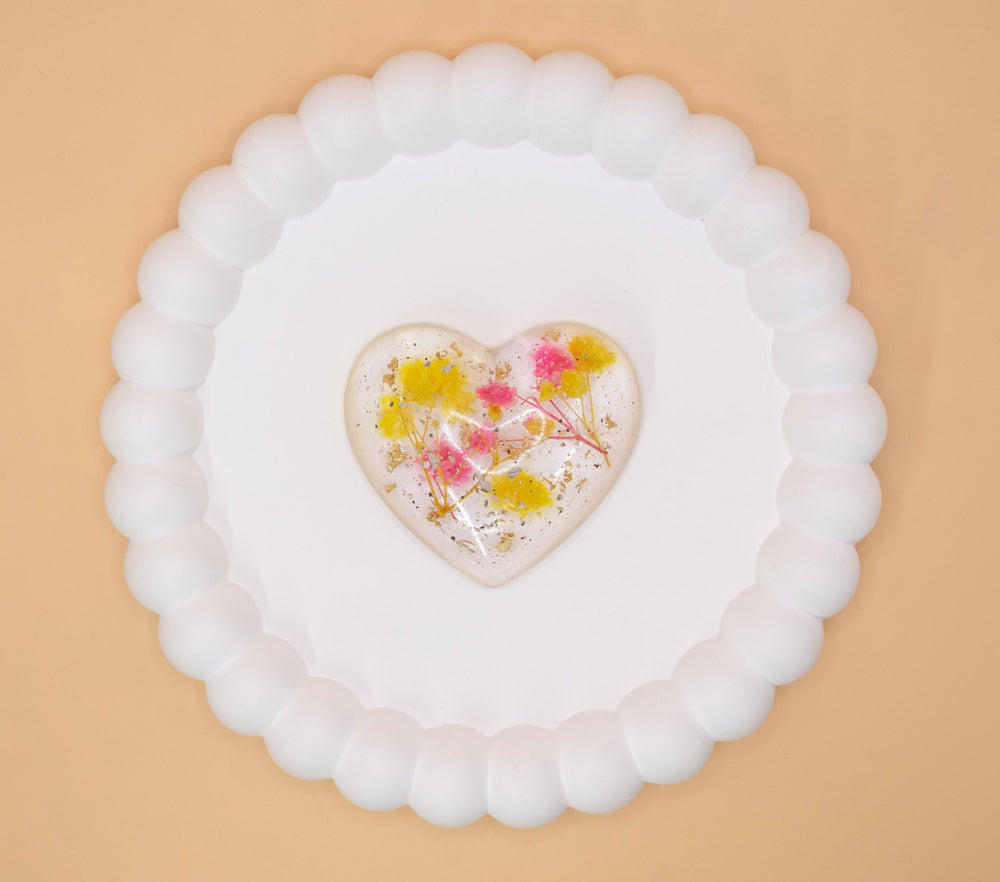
<point>435,381</point>
<point>546,391</point>
<point>590,353</point>
<point>539,426</point>
<point>494,412</point>
<point>520,494</point>
<point>391,421</point>
<point>573,384</point>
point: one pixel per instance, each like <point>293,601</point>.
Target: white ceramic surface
<point>611,233</point>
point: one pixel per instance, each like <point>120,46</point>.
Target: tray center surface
<point>489,242</point>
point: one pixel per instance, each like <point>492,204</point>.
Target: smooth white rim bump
<point>566,103</point>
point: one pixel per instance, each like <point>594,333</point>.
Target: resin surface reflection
<point>492,457</point>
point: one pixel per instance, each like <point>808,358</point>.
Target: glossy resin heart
<point>492,457</point>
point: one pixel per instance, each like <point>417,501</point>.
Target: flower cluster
<point>521,493</point>
<point>551,361</point>
<point>566,372</point>
<point>497,397</point>
<point>590,354</point>
<point>430,407</point>
<point>435,382</point>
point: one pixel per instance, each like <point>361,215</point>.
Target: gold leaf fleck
<point>389,379</point>
<point>389,488</point>
<point>454,348</point>
<point>506,542</point>
<point>395,457</point>
<point>610,423</point>
<point>468,545</point>
<point>392,365</point>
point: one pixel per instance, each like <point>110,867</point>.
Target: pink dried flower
<point>453,464</point>
<point>480,440</point>
<point>551,361</point>
<point>497,394</point>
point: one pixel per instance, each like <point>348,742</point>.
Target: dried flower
<point>453,464</point>
<point>520,494</point>
<point>497,395</point>
<point>551,361</point>
<point>546,391</point>
<point>431,382</point>
<point>539,426</point>
<point>481,440</point>
<point>590,354</point>
<point>391,421</point>
<point>573,384</point>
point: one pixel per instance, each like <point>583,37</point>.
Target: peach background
<point>881,764</point>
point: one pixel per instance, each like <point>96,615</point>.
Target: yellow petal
<point>520,494</point>
<point>573,384</point>
<point>391,422</point>
<point>590,353</point>
<point>546,391</point>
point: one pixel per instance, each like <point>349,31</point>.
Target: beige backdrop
<point>880,764</point>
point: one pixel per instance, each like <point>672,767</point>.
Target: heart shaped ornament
<point>492,457</point>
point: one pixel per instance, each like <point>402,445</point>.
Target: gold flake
<point>395,457</point>
<point>506,542</point>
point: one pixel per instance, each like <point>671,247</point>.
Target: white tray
<point>491,194</point>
